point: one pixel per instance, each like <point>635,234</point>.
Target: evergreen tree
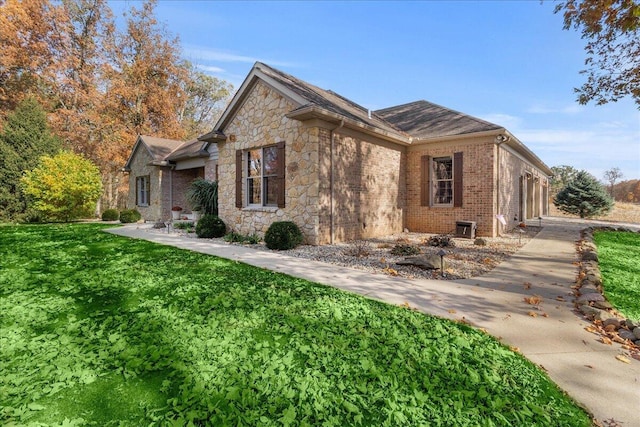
<point>584,196</point>
<point>25,138</point>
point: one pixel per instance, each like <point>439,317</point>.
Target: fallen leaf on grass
<point>516,349</point>
<point>623,359</point>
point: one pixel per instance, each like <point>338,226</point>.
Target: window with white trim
<point>442,179</point>
<point>142,190</point>
<point>262,176</point>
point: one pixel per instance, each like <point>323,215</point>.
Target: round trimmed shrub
<point>110,215</point>
<point>130,215</point>
<point>283,235</point>
<point>210,226</point>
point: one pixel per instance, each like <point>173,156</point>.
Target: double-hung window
<point>442,172</point>
<point>262,181</point>
<point>142,190</point>
<point>441,180</point>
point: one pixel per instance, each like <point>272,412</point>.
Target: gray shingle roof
<point>160,148</point>
<point>189,149</point>
<point>423,120</point>
<point>327,99</point>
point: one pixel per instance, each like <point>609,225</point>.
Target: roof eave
<point>200,153</point>
<point>445,138</point>
<point>517,145</point>
<point>314,112</point>
<point>214,137</point>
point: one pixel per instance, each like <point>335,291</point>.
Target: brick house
<point>288,150</point>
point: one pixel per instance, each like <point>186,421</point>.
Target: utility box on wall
<point>466,229</point>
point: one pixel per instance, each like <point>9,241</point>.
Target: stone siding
<point>478,196</point>
<point>140,166</point>
<point>259,122</point>
<point>368,187</point>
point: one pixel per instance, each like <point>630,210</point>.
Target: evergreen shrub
<point>283,235</point>
<point>210,226</point>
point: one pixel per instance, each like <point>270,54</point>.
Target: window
<point>142,190</point>
<point>263,170</point>
<point>441,180</point>
<point>442,171</point>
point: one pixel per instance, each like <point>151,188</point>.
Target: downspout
<point>171,188</point>
<point>331,180</point>
<point>500,139</point>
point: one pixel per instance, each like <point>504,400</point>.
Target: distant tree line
<point>99,86</point>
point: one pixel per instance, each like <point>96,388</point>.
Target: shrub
<point>251,239</point>
<point>110,215</point>
<point>210,226</point>
<point>129,215</point>
<point>358,249</point>
<point>63,187</point>
<point>405,249</point>
<point>203,196</point>
<point>183,225</point>
<point>283,235</point>
<point>441,241</point>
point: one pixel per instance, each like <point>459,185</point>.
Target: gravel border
<point>465,260</point>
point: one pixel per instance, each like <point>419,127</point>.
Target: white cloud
<point>505,120</point>
<point>202,53</point>
<point>210,68</point>
<point>542,109</point>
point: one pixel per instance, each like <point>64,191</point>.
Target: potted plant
<point>175,212</point>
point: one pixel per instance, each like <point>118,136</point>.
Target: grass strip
<point>619,259</point>
<point>97,329</point>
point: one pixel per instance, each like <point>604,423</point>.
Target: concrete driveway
<point>555,338</point>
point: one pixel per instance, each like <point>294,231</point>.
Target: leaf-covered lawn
<point>619,259</point>
<point>101,330</point>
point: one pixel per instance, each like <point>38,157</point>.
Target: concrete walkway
<point>555,339</point>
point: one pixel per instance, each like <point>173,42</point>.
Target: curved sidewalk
<point>555,338</point>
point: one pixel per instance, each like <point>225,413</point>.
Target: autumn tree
<point>63,187</point>
<point>24,138</point>
<point>612,175</point>
<point>31,46</point>
<point>206,97</point>
<point>102,85</point>
<point>611,30</point>
<point>583,196</point>
<point>561,176</point>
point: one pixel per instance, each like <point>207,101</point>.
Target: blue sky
<point>509,62</point>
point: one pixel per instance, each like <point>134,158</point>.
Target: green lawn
<point>102,330</point>
<point>619,258</point>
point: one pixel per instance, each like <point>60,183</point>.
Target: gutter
<point>313,111</point>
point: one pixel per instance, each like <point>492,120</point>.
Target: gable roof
<point>310,102</point>
<point>164,150</point>
<point>425,120</point>
<point>406,124</point>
